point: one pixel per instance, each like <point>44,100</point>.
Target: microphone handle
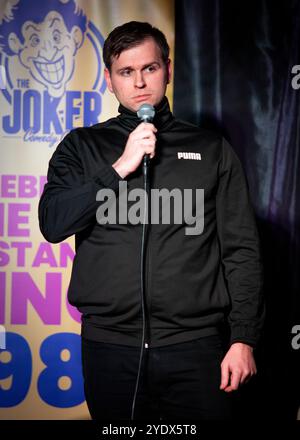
<point>146,162</point>
<point>146,158</point>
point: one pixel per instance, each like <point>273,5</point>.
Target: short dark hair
<point>129,35</point>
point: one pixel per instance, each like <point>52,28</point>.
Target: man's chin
<point>136,105</point>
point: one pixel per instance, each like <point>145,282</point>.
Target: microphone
<point>146,113</point>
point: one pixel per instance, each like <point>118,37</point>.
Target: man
<point>194,283</point>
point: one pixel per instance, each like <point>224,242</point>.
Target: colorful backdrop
<point>51,82</point>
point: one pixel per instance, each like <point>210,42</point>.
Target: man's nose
<point>139,80</point>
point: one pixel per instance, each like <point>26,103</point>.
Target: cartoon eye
<point>56,36</point>
<point>35,40</point>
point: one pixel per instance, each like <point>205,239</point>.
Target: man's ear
<point>108,79</point>
<point>169,71</point>
<point>14,43</point>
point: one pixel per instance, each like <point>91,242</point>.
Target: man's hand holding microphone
<point>140,144</point>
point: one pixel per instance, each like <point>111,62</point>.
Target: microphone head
<point>146,112</point>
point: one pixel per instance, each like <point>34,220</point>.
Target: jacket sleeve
<point>68,203</point>
<point>240,250</point>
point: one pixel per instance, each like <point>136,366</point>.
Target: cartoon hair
<point>32,10</point>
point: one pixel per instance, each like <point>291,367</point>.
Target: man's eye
<point>35,40</point>
<point>56,36</point>
<point>150,68</point>
<point>126,72</point>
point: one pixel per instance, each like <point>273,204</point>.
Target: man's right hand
<point>141,141</point>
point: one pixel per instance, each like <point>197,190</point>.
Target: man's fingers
<point>235,379</point>
<point>145,126</point>
<point>148,125</point>
<point>224,376</point>
<point>230,379</point>
<point>247,375</point>
<point>144,135</point>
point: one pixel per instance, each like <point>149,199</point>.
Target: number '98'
<point>59,384</point>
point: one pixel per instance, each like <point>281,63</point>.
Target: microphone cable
<point>146,162</point>
<point>145,113</point>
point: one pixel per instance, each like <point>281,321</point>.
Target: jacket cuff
<point>244,333</point>
<point>107,176</point>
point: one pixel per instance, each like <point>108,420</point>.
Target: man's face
<point>139,76</point>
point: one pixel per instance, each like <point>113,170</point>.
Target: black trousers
<point>178,382</point>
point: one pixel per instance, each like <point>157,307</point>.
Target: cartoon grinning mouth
<point>51,72</point>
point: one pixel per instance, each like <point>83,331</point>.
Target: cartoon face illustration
<point>48,51</point>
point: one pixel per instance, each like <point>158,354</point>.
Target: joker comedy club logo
<point>40,46</point>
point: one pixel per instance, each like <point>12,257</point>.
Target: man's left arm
<point>242,266</point>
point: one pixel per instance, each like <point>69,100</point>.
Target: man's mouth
<point>141,97</point>
<point>52,72</point>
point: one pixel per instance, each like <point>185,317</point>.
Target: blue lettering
<point>13,126</point>
<point>18,370</point>
<point>32,110</point>
<point>50,114</point>
<point>91,108</point>
<point>42,112</point>
<point>49,387</point>
<point>71,109</point>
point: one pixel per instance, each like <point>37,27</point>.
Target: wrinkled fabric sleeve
<point>240,250</point>
<point>68,203</point>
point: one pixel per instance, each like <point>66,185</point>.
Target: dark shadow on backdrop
<point>233,62</point>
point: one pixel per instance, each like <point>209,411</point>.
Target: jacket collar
<point>163,116</point>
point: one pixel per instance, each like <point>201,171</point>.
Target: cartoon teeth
<point>52,72</point>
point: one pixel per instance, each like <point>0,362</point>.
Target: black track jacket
<point>193,282</point>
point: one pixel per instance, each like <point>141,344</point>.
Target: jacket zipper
<point>147,290</point>
<point>146,287</point>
